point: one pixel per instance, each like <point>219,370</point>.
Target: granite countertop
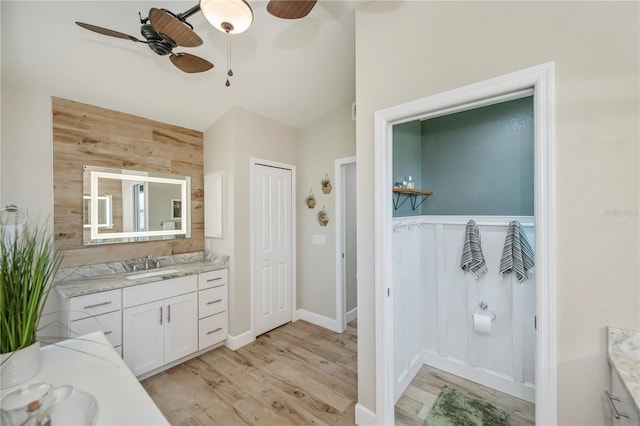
<point>624,356</point>
<point>71,282</point>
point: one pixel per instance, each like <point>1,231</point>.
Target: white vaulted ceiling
<point>289,71</point>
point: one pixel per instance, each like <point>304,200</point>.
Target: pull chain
<point>229,72</point>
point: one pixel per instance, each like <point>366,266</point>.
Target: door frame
<point>341,285</point>
<point>253,162</point>
<point>541,79</point>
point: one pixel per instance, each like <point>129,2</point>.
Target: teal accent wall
<point>479,162</point>
<point>407,159</point>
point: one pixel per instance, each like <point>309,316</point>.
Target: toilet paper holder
<point>483,307</point>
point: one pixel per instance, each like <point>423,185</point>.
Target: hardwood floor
<point>414,405</point>
<point>297,374</point>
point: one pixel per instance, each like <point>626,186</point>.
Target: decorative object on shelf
<point>409,193</point>
<point>410,183</point>
<point>310,200</point>
<point>326,184</point>
<point>323,217</point>
<point>28,264</point>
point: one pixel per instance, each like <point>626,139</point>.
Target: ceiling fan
<point>290,9</point>
<point>163,30</point>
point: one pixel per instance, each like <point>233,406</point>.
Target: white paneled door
<point>272,260</point>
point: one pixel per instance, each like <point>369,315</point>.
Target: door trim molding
<point>253,162</point>
<point>541,80</point>
<point>340,231</point>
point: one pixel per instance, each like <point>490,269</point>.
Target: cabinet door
<point>143,337</point>
<point>181,326</point>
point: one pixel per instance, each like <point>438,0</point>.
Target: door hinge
<point>343,255</point>
<point>535,322</point>
<point>388,292</point>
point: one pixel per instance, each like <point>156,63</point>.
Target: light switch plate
<point>319,240</point>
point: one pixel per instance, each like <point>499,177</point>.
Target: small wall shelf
<point>409,193</point>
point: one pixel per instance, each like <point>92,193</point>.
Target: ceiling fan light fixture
<point>228,16</point>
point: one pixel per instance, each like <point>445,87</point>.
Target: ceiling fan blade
<point>190,63</point>
<point>290,9</point>
<point>173,28</point>
<point>107,32</point>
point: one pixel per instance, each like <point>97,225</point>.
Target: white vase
<point>19,366</point>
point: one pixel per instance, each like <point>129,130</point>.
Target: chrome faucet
<point>146,261</point>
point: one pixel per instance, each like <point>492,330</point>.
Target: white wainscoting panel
<point>434,303</point>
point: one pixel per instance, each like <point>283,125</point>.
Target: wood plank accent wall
<point>89,135</point>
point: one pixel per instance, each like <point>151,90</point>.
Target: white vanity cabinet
<point>212,307</point>
<point>154,325</point>
<point>99,311</point>
<point>623,409</point>
<point>160,323</point>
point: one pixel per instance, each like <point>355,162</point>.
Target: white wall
<point>26,169</point>
<point>1,107</point>
<point>321,143</point>
<point>438,46</point>
<point>228,145</point>
<point>218,155</point>
<point>27,156</point>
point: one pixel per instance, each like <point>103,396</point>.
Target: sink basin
<point>151,274</point>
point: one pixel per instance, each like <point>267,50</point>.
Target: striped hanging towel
<point>517,255</point>
<point>472,258</point>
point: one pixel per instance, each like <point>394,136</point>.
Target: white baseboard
<point>408,376</point>
<point>319,320</point>
<point>485,377</point>
<point>236,342</point>
<point>352,314</point>
<point>364,416</point>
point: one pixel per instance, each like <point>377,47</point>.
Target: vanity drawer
<point>212,301</point>
<point>213,279</point>
<point>212,330</point>
<point>158,290</point>
<point>110,324</point>
<point>94,304</point>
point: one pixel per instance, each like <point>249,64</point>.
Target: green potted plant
<point>323,217</point>
<point>29,262</point>
<point>310,200</point>
<point>326,184</point>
